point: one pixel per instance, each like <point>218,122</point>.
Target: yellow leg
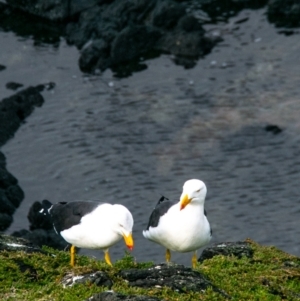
<point>72,252</point>
<point>194,260</point>
<point>168,255</point>
<point>107,258</point>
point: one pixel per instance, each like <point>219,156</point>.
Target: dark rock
<point>238,249</point>
<point>186,44</point>
<point>132,42</point>
<point>52,9</point>
<point>273,128</point>
<point>2,67</point>
<point>41,237</point>
<point>112,296</point>
<point>14,109</point>
<point>11,195</point>
<point>167,13</point>
<point>41,229</point>
<point>5,221</point>
<point>95,56</point>
<point>15,194</point>
<point>284,13</point>
<point>177,277</point>
<point>13,86</point>
<point>219,10</point>
<point>189,23</point>
<point>98,278</point>
<point>17,244</point>
<point>2,160</point>
<point>6,206</point>
<point>6,178</point>
<point>27,25</point>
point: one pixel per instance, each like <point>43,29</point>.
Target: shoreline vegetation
<point>257,273</point>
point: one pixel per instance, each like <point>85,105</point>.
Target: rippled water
<point>130,140</point>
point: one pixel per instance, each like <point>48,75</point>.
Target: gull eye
<point>198,190</point>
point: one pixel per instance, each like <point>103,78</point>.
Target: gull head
<point>193,191</point>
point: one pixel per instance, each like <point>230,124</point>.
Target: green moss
<point>270,275</point>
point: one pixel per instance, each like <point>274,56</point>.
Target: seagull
<point>181,226</point>
<point>91,225</point>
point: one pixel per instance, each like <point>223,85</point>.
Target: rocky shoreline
<point>13,111</point>
<point>128,280</point>
<point>122,34</point>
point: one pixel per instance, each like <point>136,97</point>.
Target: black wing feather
<point>160,209</point>
<point>66,215</point>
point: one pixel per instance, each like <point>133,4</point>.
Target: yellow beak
<point>184,200</point>
<point>129,241</point>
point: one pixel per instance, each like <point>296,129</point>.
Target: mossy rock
<point>269,274</point>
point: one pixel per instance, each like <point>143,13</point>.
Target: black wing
<point>66,215</point>
<point>205,213</point>
<point>160,209</point>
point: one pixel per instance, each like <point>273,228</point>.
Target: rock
<point>41,237</point>
<point>6,178</point>
<point>41,229</point>
<point>13,86</point>
<point>167,13</point>
<point>284,13</point>
<point>95,56</point>
<point>6,206</point>
<point>238,249</point>
<point>15,194</point>
<point>17,244</point>
<point>2,67</point>
<point>132,42</point>
<point>24,24</point>
<point>99,278</point>
<point>121,33</point>
<point>5,221</point>
<point>52,9</point>
<point>275,129</point>
<point>112,296</point>
<point>177,277</point>
<point>14,109</point>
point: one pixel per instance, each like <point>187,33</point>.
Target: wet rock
<point>177,277</point>
<point>13,86</point>
<point>167,13</point>
<point>6,206</point>
<point>95,56</point>
<point>6,179</point>
<point>14,109</point>
<point>112,296</point>
<point>27,25</point>
<point>98,278</point>
<point>52,9</point>
<point>132,42</point>
<point>15,194</point>
<point>41,229</point>
<point>17,244</point>
<point>123,32</point>
<point>284,13</point>
<point>41,237</point>
<point>5,221</point>
<point>273,128</point>
<point>238,249</point>
<point>11,195</point>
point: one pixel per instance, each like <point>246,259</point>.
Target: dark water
<point>130,140</point>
